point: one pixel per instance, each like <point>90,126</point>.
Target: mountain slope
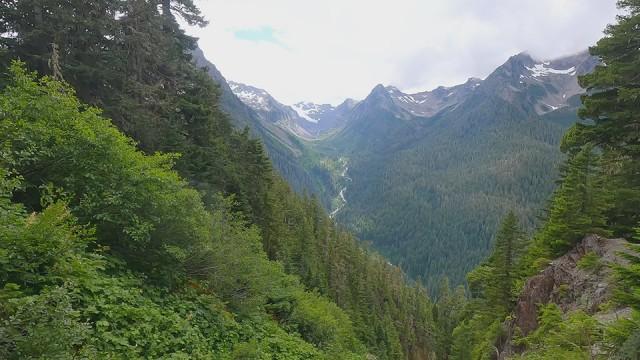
<point>286,150</point>
<point>430,180</point>
<point>270,111</point>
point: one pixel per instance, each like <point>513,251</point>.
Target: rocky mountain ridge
<point>545,85</point>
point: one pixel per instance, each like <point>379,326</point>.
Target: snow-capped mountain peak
<point>305,119</point>
<point>255,98</point>
<point>546,85</point>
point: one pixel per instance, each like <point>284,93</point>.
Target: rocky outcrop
<point>568,285</point>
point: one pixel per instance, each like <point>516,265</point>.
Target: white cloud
<point>333,49</point>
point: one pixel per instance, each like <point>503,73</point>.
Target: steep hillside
<point>138,222</point>
<point>287,151</point>
<point>578,280</point>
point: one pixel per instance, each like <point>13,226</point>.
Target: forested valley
<point>137,222</point>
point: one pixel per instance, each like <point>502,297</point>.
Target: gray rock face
<point>564,283</point>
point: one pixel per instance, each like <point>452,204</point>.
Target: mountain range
<point>429,190</point>
<point>426,176</point>
<point>305,119</point>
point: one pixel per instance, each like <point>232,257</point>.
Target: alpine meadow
<point>153,208</point>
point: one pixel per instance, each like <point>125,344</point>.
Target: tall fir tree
<point>509,246</point>
<point>610,107</point>
<point>578,205</point>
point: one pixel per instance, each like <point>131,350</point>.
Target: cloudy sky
<point>328,50</point>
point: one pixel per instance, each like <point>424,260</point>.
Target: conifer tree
<point>493,281</point>
<point>610,108</point>
<point>578,205</point>
<point>509,245</point>
<point>625,335</point>
<point>131,59</point>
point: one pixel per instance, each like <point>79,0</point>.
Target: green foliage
<point>460,349</point>
<point>609,107</point>
<point>154,272</point>
<point>131,59</point>
<point>447,313</point>
<point>624,335</point>
<point>578,205</point>
<point>623,338</point>
<point>590,262</point>
<point>493,287</point>
<point>598,193</point>
<point>391,319</point>
<point>140,207</point>
<point>556,338</point>
<point>494,280</point>
<point>476,337</point>
<point>164,277</point>
<point>44,325</point>
<point>628,279</point>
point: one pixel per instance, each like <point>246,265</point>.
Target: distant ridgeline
<point>149,227</point>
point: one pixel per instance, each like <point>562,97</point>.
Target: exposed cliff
<point>578,280</point>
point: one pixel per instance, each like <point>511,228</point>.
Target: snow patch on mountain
<point>543,69</point>
<point>428,103</point>
<point>303,113</point>
<point>255,98</point>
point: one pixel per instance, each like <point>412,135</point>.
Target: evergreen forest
<point>138,221</point>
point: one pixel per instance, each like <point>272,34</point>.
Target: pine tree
<point>578,205</point>
<point>612,95</point>
<point>610,108</point>
<point>85,36</point>
<point>628,277</point>
<point>509,245</point>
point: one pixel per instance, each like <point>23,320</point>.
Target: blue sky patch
<point>262,34</point>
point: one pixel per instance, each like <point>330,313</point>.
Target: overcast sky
<point>328,50</point>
